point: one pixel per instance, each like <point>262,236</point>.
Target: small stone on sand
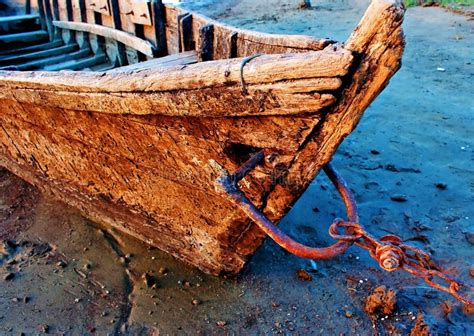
<point>441,186</point>
<point>221,323</point>
<point>304,4</point>
<point>469,237</point>
<point>44,328</point>
<point>9,276</point>
<point>61,264</point>
<point>149,280</point>
<point>162,270</point>
<point>303,275</point>
<point>398,198</point>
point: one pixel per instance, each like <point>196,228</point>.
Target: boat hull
<point>133,149</point>
<point>149,175</point>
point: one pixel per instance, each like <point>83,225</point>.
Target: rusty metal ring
<point>340,223</point>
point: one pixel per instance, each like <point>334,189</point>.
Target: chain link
<point>390,251</point>
<point>392,254</point>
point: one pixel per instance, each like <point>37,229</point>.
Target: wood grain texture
<point>131,147</point>
<point>202,89</point>
<point>378,42</point>
<point>330,62</point>
<point>125,164</point>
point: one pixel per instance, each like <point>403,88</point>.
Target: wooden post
<point>28,7</point>
<point>185,32</point>
<point>159,20</point>
<point>140,32</point>
<point>83,18</point>
<point>42,14</point>
<point>206,37</point>
<point>69,12</point>
<point>56,16</point>
<point>233,45</point>
<point>48,19</point>
<point>122,53</point>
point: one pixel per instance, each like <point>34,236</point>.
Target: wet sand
<point>61,273</point>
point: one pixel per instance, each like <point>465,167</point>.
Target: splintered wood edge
<point>378,42</point>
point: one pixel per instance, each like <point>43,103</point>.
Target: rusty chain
<point>389,251</point>
<point>392,254</point>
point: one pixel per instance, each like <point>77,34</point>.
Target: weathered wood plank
<point>184,58</point>
<point>284,134</point>
<point>38,64</point>
<point>26,37</point>
<point>206,43</point>
<point>251,42</point>
<point>137,11</point>
<point>172,34</point>
<point>159,23</point>
<point>18,18</point>
<point>130,40</point>
<point>264,69</point>
<point>147,92</point>
<point>42,14</point>
<point>99,6</point>
<point>121,52</point>
<point>223,40</point>
<point>77,64</point>
<point>185,31</point>
<point>49,19</point>
<point>33,48</point>
<point>38,54</point>
<point>203,102</point>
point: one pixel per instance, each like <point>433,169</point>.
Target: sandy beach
<point>409,163</point>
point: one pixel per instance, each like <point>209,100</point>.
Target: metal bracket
<point>389,251</point>
<point>227,183</point>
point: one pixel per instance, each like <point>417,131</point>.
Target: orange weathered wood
<point>132,147</point>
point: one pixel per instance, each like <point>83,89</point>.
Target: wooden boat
<point>155,103</point>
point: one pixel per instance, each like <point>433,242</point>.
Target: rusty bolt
<point>389,261</point>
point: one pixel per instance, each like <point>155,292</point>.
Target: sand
<point>71,276</point>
